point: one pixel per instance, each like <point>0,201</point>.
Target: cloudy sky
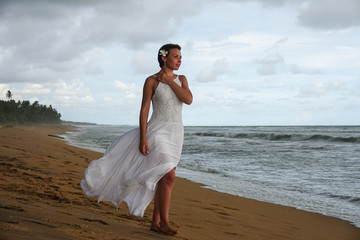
<point>248,62</point>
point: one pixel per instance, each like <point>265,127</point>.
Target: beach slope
<point>41,199</point>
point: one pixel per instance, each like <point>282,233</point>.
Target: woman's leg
<point>162,199</point>
<point>155,224</point>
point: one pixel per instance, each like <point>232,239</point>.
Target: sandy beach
<point>41,199</point>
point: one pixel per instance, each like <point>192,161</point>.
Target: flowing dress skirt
<point>124,174</point>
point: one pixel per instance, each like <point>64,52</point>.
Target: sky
<point>248,62</point>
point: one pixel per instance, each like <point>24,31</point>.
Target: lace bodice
<point>166,105</point>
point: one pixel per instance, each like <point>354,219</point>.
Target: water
<point>313,168</point>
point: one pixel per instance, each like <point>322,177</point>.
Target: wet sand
<point>41,199</point>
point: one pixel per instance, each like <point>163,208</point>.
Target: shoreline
<point>43,175</point>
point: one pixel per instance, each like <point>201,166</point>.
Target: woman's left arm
<point>182,92</point>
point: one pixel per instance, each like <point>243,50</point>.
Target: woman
<point>126,174</point>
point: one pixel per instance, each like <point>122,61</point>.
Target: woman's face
<point>173,59</point>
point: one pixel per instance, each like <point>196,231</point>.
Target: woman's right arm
<point>144,113</point>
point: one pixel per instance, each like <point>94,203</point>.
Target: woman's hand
<point>144,148</point>
<point>164,78</point>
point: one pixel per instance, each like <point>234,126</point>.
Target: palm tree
<point>9,95</point>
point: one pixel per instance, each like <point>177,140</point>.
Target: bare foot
<point>155,227</point>
<point>167,230</point>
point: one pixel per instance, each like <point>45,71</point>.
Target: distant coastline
<point>77,123</point>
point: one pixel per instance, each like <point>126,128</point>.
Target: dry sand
<point>41,199</point>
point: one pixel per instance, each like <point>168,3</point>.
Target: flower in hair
<point>163,52</point>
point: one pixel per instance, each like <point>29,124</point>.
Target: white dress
<point>123,173</point>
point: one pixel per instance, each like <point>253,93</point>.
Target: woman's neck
<point>167,71</point>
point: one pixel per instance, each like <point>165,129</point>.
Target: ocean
<point>312,168</point>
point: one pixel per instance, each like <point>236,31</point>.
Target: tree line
<point>22,112</point>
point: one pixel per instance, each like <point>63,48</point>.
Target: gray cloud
<point>272,3</point>
<point>267,3</point>
<point>212,73</point>
<point>268,64</point>
<point>320,14</point>
<point>330,14</point>
<point>46,40</point>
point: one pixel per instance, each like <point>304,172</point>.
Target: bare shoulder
<point>182,79</point>
<point>151,83</point>
<point>151,80</point>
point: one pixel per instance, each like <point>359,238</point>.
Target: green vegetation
<point>12,112</point>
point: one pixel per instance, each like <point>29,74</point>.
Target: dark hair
<point>167,48</point>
